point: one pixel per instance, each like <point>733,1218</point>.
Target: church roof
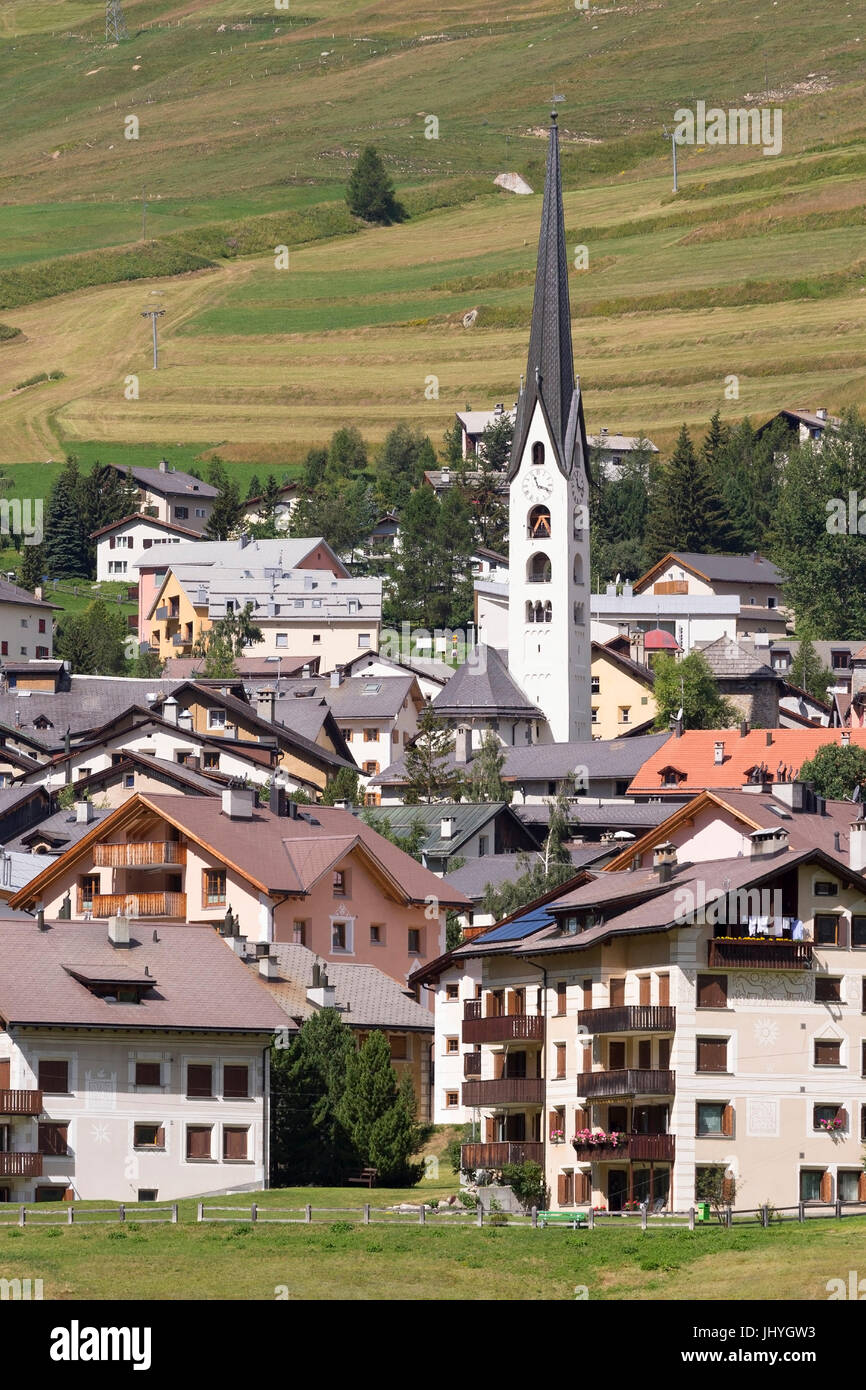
<point>483,685</point>
<point>550,364</point>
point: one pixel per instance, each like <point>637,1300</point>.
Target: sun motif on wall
<point>766,1032</point>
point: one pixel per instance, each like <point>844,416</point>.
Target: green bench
<point>562,1218</point>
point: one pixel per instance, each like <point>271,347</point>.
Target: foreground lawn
<point>341,1258</point>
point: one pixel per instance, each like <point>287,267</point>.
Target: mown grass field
<point>343,1259</point>
<point>756,271</point>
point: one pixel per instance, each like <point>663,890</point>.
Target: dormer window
<point>672,776</point>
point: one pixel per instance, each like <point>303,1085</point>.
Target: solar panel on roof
<point>528,923</point>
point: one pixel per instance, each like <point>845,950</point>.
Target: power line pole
<point>144,214</point>
<point>115,24</point>
<point>673,139</point>
<point>153,315</point>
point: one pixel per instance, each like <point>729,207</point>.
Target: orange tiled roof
<point>693,755</point>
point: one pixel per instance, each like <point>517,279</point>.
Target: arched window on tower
<point>538,454</point>
<point>548,612</point>
<point>538,523</point>
<point>578,614</point>
<point>538,570</point>
<point>530,611</point>
<point>578,569</point>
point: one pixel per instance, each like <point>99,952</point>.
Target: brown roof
<point>151,520</point>
<point>199,982</point>
<point>277,854</point>
<point>693,755</point>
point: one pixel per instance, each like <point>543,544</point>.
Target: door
<point>617,993</point>
<point>4,1074</point>
<point>645,1054</point>
<point>617,1189</point>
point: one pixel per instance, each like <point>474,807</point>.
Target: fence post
<point>801,1211</point>
<point>691,1218</point>
<point>200,1212</point>
<point>765,1216</point>
<point>422,1214</point>
<point>69,1216</point>
<point>643,1219</point>
<point>480,1216</point>
<point>838,1209</point>
<point>22,1215</point>
<point>308,1213</point>
<point>366,1213</point>
<point>590,1219</point>
<point>253,1212</point>
<point>729,1217</point>
<point>174,1213</point>
<point>535,1216</point>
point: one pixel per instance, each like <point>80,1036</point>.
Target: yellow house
<point>622,693</point>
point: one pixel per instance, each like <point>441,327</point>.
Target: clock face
<point>538,485</point>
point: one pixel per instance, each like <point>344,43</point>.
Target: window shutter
<point>617,993</point>
<point>581,1118</point>
<point>560,1189</point>
<point>826,1189</point>
<point>160,1138</point>
<point>4,1074</point>
<point>236,1084</point>
<point>234,1143</point>
<point>712,991</point>
<point>54,1077</point>
<point>489,1130</point>
<point>512,1002</point>
<point>712,1054</point>
<point>664,1053</point>
<point>842,1117</point>
<point>552,1121</point>
<point>561,997</point>
<point>616,1056</point>
<point>728,1120</point>
<point>587,994</point>
<point>198,1142</point>
<point>844,931</point>
<point>664,991</point>
<point>582,1189</point>
<point>861,1188</point>
<point>727,1189</point>
<point>644,987</point>
<point>498,1065</point>
<point>199,1080</point>
<point>111,543</point>
<point>587,1057</point>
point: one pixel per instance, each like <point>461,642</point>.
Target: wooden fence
<point>53,1214</point>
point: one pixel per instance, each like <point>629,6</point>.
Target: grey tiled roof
<point>469,817</point>
<point>355,698</point>
<point>736,569</point>
<point>496,869</point>
<point>62,827</point>
<point>11,593</point>
<point>90,702</point>
<point>613,815</point>
<point>617,757</point>
<point>483,685</point>
<point>736,659</point>
<point>172,482</point>
<point>369,998</point>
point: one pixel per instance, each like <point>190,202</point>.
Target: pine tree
<point>255,488</point>
<point>417,579</point>
<point>343,786</point>
<point>309,1142</point>
<point>65,543</point>
<point>808,673</point>
<point>687,511</point>
<point>370,192</point>
<point>94,641</point>
<point>271,499</point>
<point>403,458</point>
<point>487,505</point>
<point>378,1114</point>
<point>484,781</point>
<point>347,454</point>
<point>226,514</point>
<point>429,774</point>
<point>31,566</point>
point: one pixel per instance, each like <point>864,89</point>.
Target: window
<point>399,1046</point>
<point>848,1185</point>
<point>828,989</point>
<point>594,685</point>
<point>363,639</point>
<point>616,1055</point>
<point>200,511</point>
<point>339,883</point>
<point>538,523</point>
<point>828,1053</point>
<point>199,1080</point>
<point>148,1137</point>
<point>826,929</point>
<point>216,718</point>
<point>371,735</point>
<point>595,714</point>
<point>624,714</point>
<point>282,639</point>
<point>560,997</point>
<point>41,624</point>
<point>198,1143</point>
<point>712,991</point>
<point>377,934</point>
<point>147,1194</point>
<point>210,761</point>
<point>148,1074</point>
<point>129,781</point>
<point>182,513</point>
<point>713,1118</point>
<point>858,931</point>
<point>451,1100</point>
<point>483,845</point>
<point>54,1193</point>
<point>236,1081</point>
<point>341,936</point>
<point>317,638</point>
<point>88,888</point>
<point>811,1184</point>
<point>347,734</point>
<point>235,1144</point>
<point>4,648</point>
<point>414,941</point>
<point>560,1061</point>
<point>299,932</point>
<point>829,1117</point>
<point>54,1077</point>
<point>51,1139</point>
<point>213,887</point>
<point>25,622</point>
<point>825,889</point>
<point>712,1054</point>
<point>371,769</point>
<point>452,1046</point>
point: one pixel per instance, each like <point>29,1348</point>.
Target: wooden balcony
<point>472,1064</point>
<point>760,953</point>
<point>495,1155</point>
<point>671,586</point>
<point>138,905</point>
<point>505,1028</point>
<point>143,854</point>
<point>629,1018</point>
<point>20,1165</point>
<point>630,1146</point>
<point>20,1102</point>
<point>523,1090</point>
<point>611,1085</point>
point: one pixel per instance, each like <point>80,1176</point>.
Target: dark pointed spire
<point>550,364</point>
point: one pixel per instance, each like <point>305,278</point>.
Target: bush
<point>526,1181</point>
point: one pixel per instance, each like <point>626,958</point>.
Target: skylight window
<point>371,688</point>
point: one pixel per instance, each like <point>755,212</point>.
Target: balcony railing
<point>20,1102</point>
<point>472,1007</point>
<point>633,1146</point>
<point>524,1090</point>
<point>139,854</point>
<point>161,614</point>
<point>472,1064</point>
<point>20,1165</point>
<point>604,1085</point>
<point>629,1018</point>
<point>505,1028</point>
<point>671,586</point>
<point>178,640</point>
<point>495,1155</point>
<point>138,905</point>
<point>760,953</point>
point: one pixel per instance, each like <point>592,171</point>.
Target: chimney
<point>821,412</point>
<point>320,991</point>
<point>857,846</point>
<point>627,589</point>
<point>678,726</point>
<point>336,677</point>
<point>837,842</point>
<point>446,827</point>
<point>265,704</point>
<point>769,737</point>
<point>719,751</point>
<point>343,804</point>
<point>243,540</point>
<point>820,806</point>
<point>305,669</point>
<point>793,794</point>
<point>83,812</point>
<point>446,475</point>
<point>170,710</point>
<point>184,720</point>
<point>664,861</point>
<point>764,843</point>
<point>268,968</point>
<point>846,737</point>
<point>40,920</point>
<point>278,800</point>
<point>118,931</point>
<point>164,466</point>
<point>237,803</point>
<point>744,728</point>
<point>463,745</point>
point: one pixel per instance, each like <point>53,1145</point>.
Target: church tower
<point>549,648</point>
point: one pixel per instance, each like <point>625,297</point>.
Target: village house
<point>120,545</point>
<point>655,1024</point>
<point>170,495</point>
<point>316,877</point>
<point>707,759</point>
<point>612,451</point>
<point>751,579</point>
<point>26,624</point>
<point>133,1063</point>
<point>469,830</point>
<point>288,500</point>
<point>622,693</point>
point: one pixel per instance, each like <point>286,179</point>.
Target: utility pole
<point>115,24</point>
<point>144,214</point>
<point>673,139</point>
<point>153,315</point>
